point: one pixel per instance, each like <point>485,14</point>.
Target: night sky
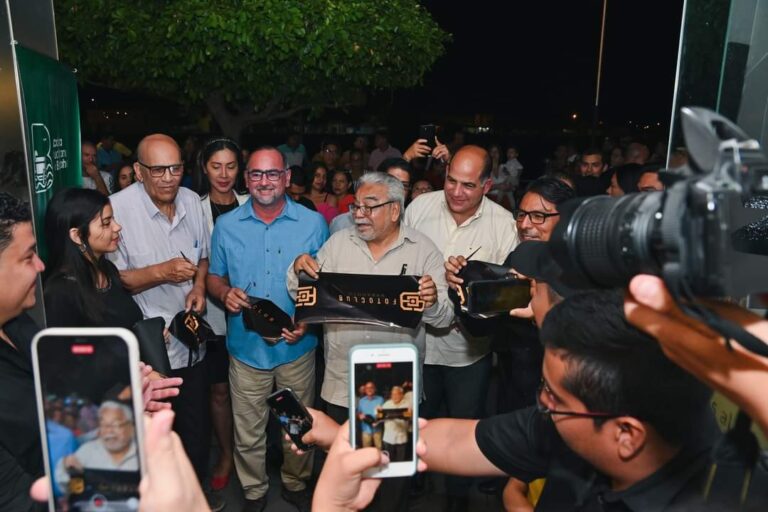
<point>534,63</point>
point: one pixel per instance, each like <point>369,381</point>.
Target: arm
<point>93,172</point>
<point>14,491</point>
<point>176,270</point>
<point>439,314</point>
<point>196,297</point>
<point>452,449</point>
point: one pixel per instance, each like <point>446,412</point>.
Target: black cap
<point>533,260</point>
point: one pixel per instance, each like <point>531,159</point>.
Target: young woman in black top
<point>82,287</point>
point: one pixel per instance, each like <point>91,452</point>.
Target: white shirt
<point>89,182</point>
<point>492,232</point>
<point>147,238</point>
<point>93,455</point>
<point>214,314</point>
<point>396,430</point>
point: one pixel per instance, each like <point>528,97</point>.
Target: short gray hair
<point>111,404</point>
<point>395,189</point>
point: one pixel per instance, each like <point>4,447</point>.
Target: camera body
<point>706,234</point>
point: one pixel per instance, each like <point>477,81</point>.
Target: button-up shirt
<point>149,237</point>
<point>345,252</point>
<point>93,455</point>
<point>253,255</point>
<point>492,232</point>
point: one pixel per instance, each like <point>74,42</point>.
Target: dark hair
<point>397,163</point>
<point>613,367</point>
<point>297,175</point>
<point>347,176</point>
<point>200,182</point>
<point>75,208</point>
<point>594,151</point>
<point>12,211</point>
<point>309,174</point>
<point>628,176</point>
<point>552,189</point>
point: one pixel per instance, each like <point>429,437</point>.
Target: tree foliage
<point>250,61</point>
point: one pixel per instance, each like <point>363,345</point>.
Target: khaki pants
<point>249,389</point>
<point>373,439</point>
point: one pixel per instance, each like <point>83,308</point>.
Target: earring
<point>83,248</point>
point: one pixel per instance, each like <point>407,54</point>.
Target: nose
<point>117,227</point>
<point>39,265</point>
<point>525,223</point>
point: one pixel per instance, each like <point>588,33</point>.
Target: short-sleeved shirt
<point>105,158</point>
<point>395,430</point>
<point>488,235</point>
<point>368,407</point>
<point>253,255</point>
<point>149,237</point>
<point>525,445</point>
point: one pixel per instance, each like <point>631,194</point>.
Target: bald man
<point>163,260</point>
<point>461,221</point>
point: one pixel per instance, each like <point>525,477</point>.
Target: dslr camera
<point>706,235</point>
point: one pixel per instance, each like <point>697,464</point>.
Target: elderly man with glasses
<point>162,256</point>
<point>250,249</point>
<point>379,244</point>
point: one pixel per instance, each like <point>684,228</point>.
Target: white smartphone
<point>89,401</point>
<point>384,404</point>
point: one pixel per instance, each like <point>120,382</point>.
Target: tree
<point>250,61</point>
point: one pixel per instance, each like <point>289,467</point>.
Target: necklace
<point>217,207</point>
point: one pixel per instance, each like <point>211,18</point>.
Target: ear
<point>631,436</point>
<point>395,212</point>
<point>137,172</point>
<point>287,178</point>
<point>74,235</point>
<point>487,185</point>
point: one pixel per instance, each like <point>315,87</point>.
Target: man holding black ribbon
<point>250,249</point>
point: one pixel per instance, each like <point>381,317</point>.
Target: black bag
<point>152,348</point>
<point>266,318</point>
<point>191,329</point>
<point>359,298</point>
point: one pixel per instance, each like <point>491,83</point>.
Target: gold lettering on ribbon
<point>411,301</point>
<point>306,296</point>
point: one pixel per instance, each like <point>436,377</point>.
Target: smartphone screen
<point>494,297</point>
<point>292,415</point>
<point>385,405</point>
<point>89,413</point>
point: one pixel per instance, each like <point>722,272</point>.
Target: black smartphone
<point>292,415</point>
<point>489,298</point>
<point>89,399</point>
<point>429,132</point>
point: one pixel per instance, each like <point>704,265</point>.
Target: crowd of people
<point>586,398</point>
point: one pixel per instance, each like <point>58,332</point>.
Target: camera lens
<point>608,240</point>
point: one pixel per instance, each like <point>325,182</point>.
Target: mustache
<point>363,223</point>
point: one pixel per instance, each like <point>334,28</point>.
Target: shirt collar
<point>290,211</point>
<point>402,236</point>
<point>478,213</point>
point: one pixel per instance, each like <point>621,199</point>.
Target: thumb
<point>360,460</point>
<point>159,443</point>
<point>650,291</point>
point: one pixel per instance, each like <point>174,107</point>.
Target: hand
<point>195,300</point>
<point>178,270</point>
<point>170,482</point>
<point>90,169</point>
<point>418,149</point>
<point>441,151</point>
<point>738,374</point>
<point>341,486</point>
<point>525,313</point>
<point>452,267</point>
<point>306,263</point>
<point>156,387</point>
<point>322,433</point>
<point>72,462</point>
<point>427,291</point>
<point>235,300</point>
<point>295,335</point>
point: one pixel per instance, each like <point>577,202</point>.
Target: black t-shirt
<point>525,444</point>
<point>21,457</point>
<point>220,209</point>
<point>592,185</point>
<point>63,308</point>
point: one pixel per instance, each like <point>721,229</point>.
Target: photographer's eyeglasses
<point>366,210</point>
<point>271,174</point>
<point>158,171</point>
<point>536,217</point>
<point>543,409</point>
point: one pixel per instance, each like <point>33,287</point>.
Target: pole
<point>595,114</point>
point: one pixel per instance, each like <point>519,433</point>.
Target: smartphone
<point>384,401</point>
<point>489,298</point>
<point>429,132</point>
<point>89,401</point>
<point>292,415</point>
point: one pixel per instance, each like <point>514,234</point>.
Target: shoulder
<point>497,212</point>
<point>426,201</point>
<point>305,215</point>
<point>125,196</point>
<point>417,237</point>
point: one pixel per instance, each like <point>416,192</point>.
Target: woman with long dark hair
<point>324,201</point>
<point>82,287</point>
<point>217,176</point>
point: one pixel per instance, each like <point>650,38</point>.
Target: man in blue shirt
<point>367,408</point>
<point>251,248</point>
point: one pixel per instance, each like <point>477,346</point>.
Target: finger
<point>39,490</point>
<point>153,406</point>
<point>357,461</point>
<point>240,295</point>
<point>161,394</point>
<point>168,382</point>
<point>522,312</point>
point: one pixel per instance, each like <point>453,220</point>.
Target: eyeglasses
<point>330,150</point>
<point>158,171</point>
<point>365,209</point>
<point>543,409</point>
<point>271,174</point>
<point>114,425</point>
<point>536,217</point>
